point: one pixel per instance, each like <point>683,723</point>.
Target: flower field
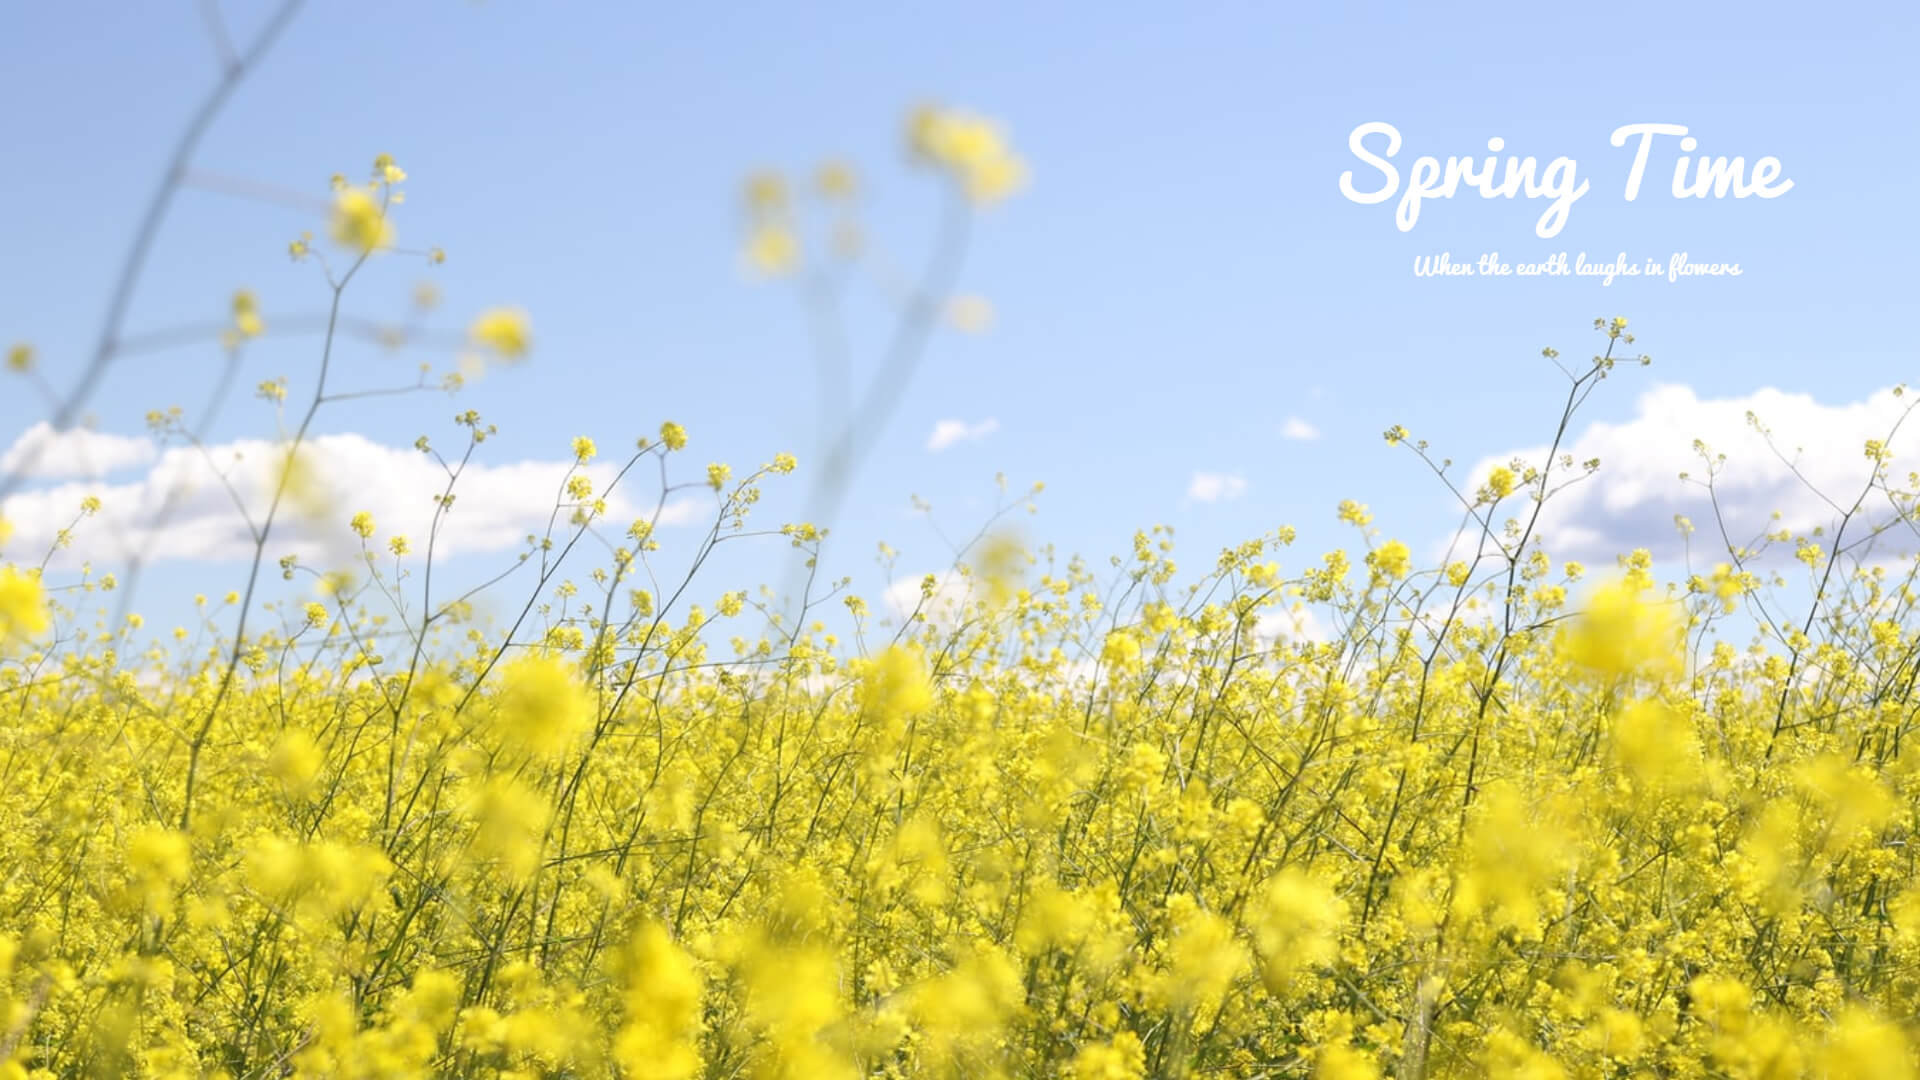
<point>1073,825</point>
<point>1343,815</point>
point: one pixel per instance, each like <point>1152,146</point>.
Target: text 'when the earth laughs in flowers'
<point>1491,265</point>
<point>1429,178</point>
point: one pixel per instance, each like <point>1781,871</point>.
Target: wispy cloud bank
<point>1209,487</point>
<point>190,504</point>
<point>1631,502</point>
<point>949,432</point>
<point>42,453</point>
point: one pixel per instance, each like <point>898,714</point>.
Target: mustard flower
<point>504,331</point>
<point>773,249</point>
<point>836,180</point>
<point>23,606</point>
<point>968,147</point>
<point>1391,560</point>
<point>246,314</point>
<point>360,222</point>
<point>541,707</point>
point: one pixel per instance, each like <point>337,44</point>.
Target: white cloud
<point>1632,500</point>
<point>1296,625</point>
<point>684,510</point>
<point>41,453</point>
<point>184,506</point>
<point>948,432</point>
<point>1213,487</point>
<point>1299,430</point>
<point>942,607</point>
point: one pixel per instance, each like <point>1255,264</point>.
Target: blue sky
<point>1181,277</point>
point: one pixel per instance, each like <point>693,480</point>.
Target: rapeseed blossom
<point>23,606</point>
<point>359,222</point>
<point>247,321</point>
<point>503,331</point>
<point>541,707</point>
<point>969,147</point>
<point>1623,631</point>
<point>659,1039</point>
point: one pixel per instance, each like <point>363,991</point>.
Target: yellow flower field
<point>1081,825</point>
<point>1506,816</point>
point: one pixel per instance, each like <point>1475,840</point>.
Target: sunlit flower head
<point>503,331</point>
<point>359,222</point>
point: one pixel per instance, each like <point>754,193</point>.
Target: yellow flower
<point>1657,747</point>
<point>1124,1058</point>
<point>765,193</point>
<point>1862,1045</point>
<point>1121,651</point>
<point>298,479</point>
<point>1294,921</point>
<point>1500,481</point>
<point>158,861</point>
<point>1621,632</point>
<point>835,180</point>
<point>386,172</point>
<point>541,707</point>
<point>23,606</point>
<point>362,524</point>
<point>773,249</point>
<point>970,314</point>
<point>1338,1061</point>
<point>508,819</point>
<point>246,314</point>
<point>20,358</point>
<point>998,564</point>
<point>896,685</point>
<point>360,222</point>
<point>673,435</point>
<point>968,147</point>
<point>1204,957</point>
<point>1391,560</point>
<point>660,1039</point>
<point>296,760</point>
<point>503,330</point>
<point>962,1011</point>
<point>583,449</point>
